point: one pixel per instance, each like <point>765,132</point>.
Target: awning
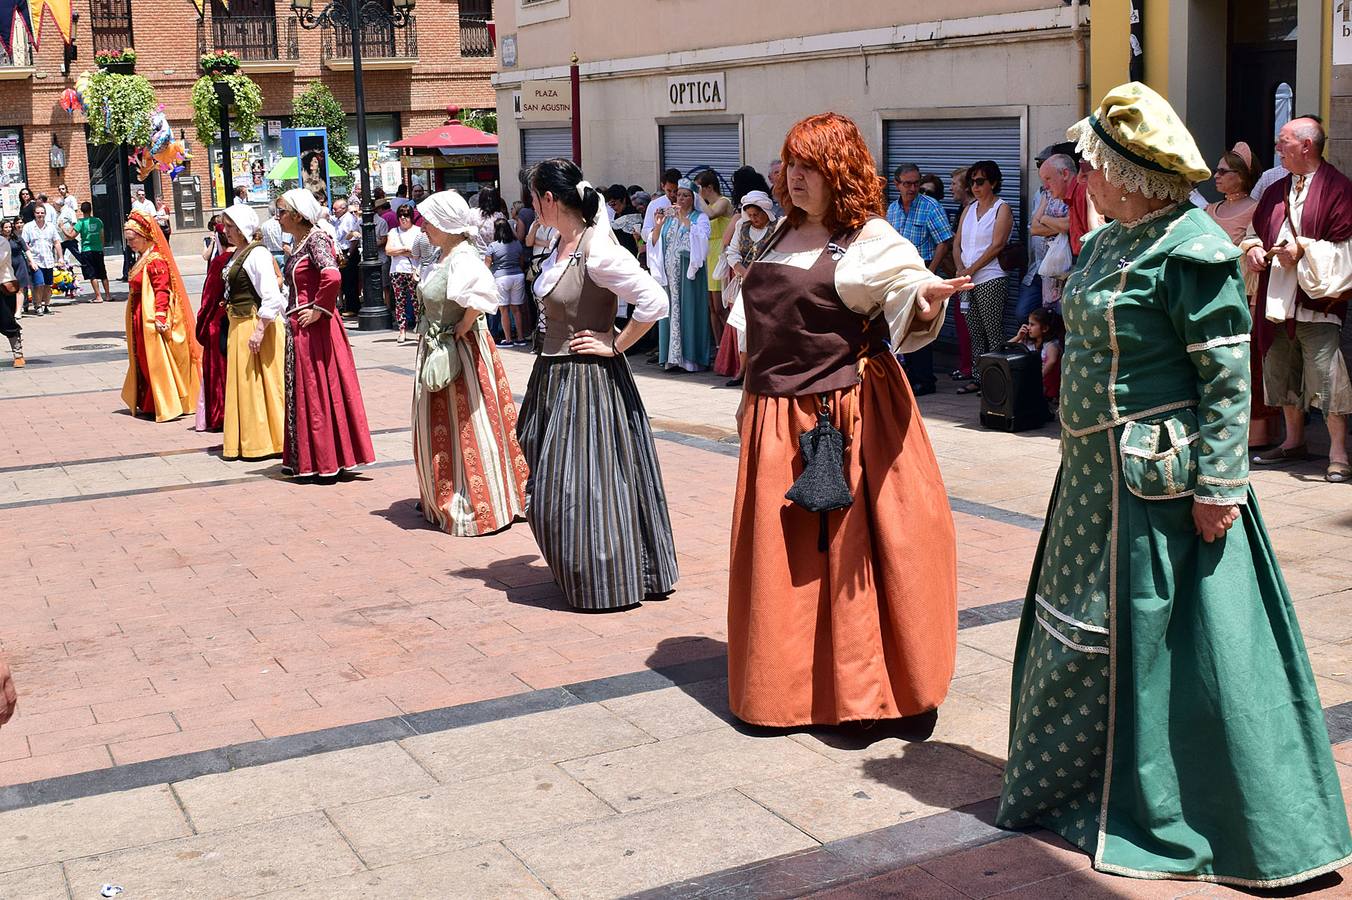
<point>289,170</point>
<point>453,139</point>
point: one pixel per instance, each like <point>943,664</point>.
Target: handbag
<point>821,487</point>
<point>1057,261</point>
<point>1013,256</point>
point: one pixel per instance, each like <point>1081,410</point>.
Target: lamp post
<point>353,15</point>
<point>225,95</point>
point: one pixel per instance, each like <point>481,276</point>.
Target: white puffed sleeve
<point>656,256</point>
<point>262,272</point>
<point>699,246</point>
<point>881,272</point>
<point>615,269</point>
<point>1325,270</point>
<point>469,283</point>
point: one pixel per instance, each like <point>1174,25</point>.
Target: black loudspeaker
<point>1011,389</point>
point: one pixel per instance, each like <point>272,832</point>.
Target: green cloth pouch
<point>1159,458</point>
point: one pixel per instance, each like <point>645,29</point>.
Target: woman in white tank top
<point>983,231</point>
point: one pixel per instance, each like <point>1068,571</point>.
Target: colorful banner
<point>60,10</point>
<point>9,10</point>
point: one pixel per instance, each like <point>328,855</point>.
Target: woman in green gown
<point>1164,714</point>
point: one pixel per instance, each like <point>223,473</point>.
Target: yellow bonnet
<point>1136,139</point>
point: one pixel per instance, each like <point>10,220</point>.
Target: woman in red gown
<point>326,430</point>
<point>211,325</point>
<point>164,359</point>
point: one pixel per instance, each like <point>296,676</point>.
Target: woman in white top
<point>747,238</point>
<point>255,373</point>
<point>595,498</point>
<point>404,266</point>
<point>471,472</point>
<point>982,233</point>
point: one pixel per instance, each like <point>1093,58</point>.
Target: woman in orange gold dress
<point>851,614</point>
<point>164,359</point>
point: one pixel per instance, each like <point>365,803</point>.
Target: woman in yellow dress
<point>164,359</point>
<point>719,210</point>
<point>255,374</point>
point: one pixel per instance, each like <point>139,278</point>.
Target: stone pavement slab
<point>76,828</point>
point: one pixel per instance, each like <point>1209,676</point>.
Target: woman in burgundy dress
<point>326,431</point>
<point>211,324</point>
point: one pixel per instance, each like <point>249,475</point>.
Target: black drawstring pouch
<point>822,486</point>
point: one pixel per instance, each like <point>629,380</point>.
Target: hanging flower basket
<point>219,62</point>
<point>206,108</point>
<point>118,107</point>
<point>117,62</point>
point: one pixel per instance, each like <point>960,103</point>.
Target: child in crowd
<point>1042,333</point>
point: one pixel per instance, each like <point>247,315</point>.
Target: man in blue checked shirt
<point>922,221</point>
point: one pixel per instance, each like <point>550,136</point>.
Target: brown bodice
<point>241,297</point>
<point>801,338</point>
<point>576,303</point>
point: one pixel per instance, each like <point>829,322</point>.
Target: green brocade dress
<point>1164,714</point>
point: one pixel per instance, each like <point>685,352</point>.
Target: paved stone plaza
<point>232,685</point>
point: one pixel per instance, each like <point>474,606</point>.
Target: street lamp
<point>353,15</point>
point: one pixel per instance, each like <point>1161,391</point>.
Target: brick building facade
<point>411,75</point>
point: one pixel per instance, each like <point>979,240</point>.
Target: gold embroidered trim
<point>1284,881</point>
<point>1065,640</point>
<point>1221,501</point>
<point>1074,623</point>
<point>1112,659</point>
<point>1218,342</point>
<point>1222,482</point>
<point>1104,426</point>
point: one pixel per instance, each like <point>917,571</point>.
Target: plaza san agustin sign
<point>546,101</point>
<point>698,92</point>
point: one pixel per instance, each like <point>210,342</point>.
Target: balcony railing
<point>251,38</point>
<point>474,36</point>
<point>110,25</point>
<point>379,40</point>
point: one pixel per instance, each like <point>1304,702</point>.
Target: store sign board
<point>1342,33</point>
<point>697,92</point>
<point>546,101</point>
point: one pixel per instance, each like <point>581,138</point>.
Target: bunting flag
<point>225,4</point>
<point>60,10</point>
<point>9,10</point>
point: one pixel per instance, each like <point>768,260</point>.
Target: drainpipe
<point>576,88</point>
<point>1081,59</point>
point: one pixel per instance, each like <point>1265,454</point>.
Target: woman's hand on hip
<point>307,317</point>
<point>592,343</point>
<point>1212,521</point>
<point>932,294</point>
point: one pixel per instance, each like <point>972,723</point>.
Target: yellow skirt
<point>255,391</point>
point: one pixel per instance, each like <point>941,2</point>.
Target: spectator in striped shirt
<point>921,220</point>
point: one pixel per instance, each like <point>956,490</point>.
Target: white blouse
<point>615,269</point>
<point>881,272</point>
<point>469,282</point>
<point>262,271</point>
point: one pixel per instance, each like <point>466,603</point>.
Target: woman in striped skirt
<point>594,498</point>
<point>471,473</point>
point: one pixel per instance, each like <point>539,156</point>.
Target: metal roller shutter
<point>939,146</point>
<point>693,147</point>
<point>540,144</point>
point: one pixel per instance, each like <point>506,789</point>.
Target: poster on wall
<point>391,174</point>
<point>1342,33</point>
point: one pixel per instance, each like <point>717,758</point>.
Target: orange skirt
<point>868,629</point>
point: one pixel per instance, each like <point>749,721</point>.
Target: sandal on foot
<point>1280,455</point>
<point>970,387</point>
<point>1338,473</point>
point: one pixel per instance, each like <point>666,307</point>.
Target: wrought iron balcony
<point>20,55</point>
<point>474,37</point>
<point>260,39</point>
<point>380,42</point>
<point>110,25</point>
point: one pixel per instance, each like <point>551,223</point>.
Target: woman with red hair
<point>843,602</point>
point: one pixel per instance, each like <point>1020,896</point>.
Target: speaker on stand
<point>1011,389</point>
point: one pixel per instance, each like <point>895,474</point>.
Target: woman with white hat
<point>471,472</point>
<point>255,375</point>
<point>326,430</point>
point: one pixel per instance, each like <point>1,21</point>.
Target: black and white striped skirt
<point>594,498</point>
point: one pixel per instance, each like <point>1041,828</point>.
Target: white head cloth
<point>759,198</point>
<point>245,219</point>
<point>304,204</point>
<point>447,211</point>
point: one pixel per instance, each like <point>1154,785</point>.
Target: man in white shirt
<point>44,245</point>
<point>347,215</point>
<point>666,200</point>
<point>1300,241</point>
<point>140,204</point>
<point>273,238</point>
<point>67,198</point>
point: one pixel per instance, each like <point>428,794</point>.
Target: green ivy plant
<point>486,120</point>
<point>316,107</point>
<point>119,107</point>
<point>206,108</point>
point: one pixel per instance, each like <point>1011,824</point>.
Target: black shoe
<point>736,382</point>
<point>923,389</point>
